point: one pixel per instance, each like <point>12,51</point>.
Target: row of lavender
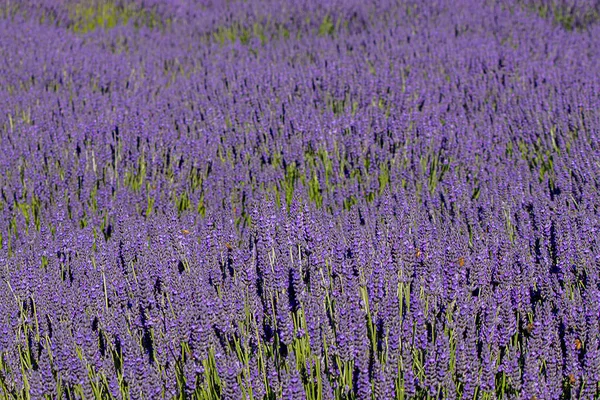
<point>322,200</point>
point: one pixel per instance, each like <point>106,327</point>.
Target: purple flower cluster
<point>299,200</point>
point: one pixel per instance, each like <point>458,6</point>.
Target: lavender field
<point>299,199</point>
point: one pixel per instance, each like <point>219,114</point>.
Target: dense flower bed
<point>262,199</point>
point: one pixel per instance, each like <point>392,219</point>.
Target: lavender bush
<point>318,200</point>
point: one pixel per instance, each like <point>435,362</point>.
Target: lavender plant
<point>299,200</point>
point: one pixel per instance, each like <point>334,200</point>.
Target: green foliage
<point>91,15</point>
<point>134,179</point>
<point>327,27</point>
<point>289,182</point>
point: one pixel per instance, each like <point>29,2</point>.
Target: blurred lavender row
<point>265,199</point>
